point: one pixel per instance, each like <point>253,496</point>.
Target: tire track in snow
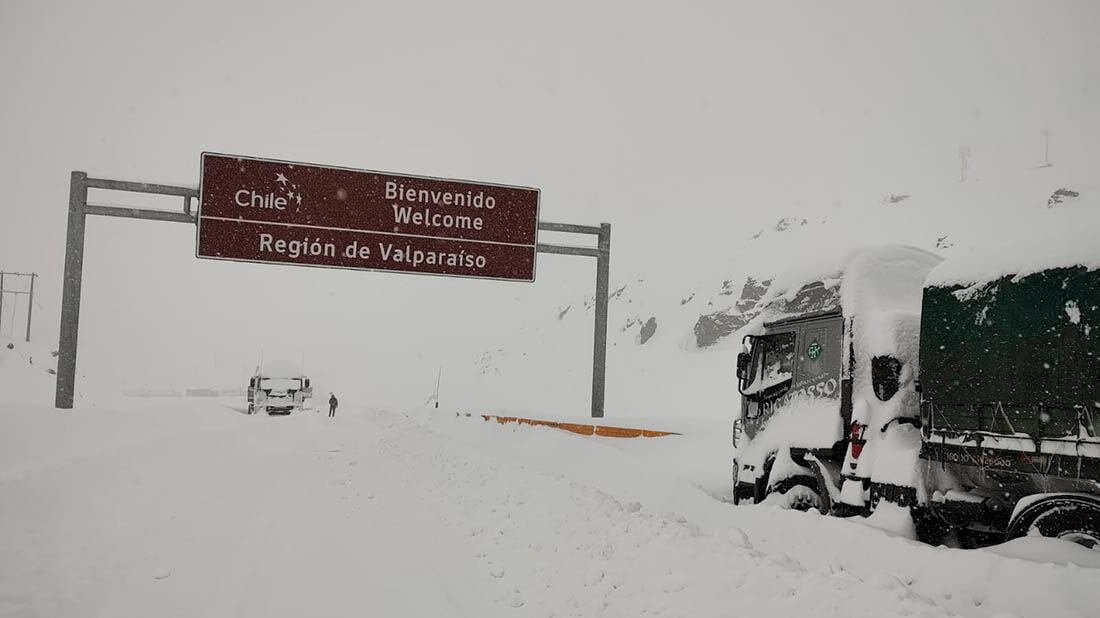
<point>556,546</point>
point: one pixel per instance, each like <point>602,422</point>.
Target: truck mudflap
<point>901,495</point>
<point>967,510</point>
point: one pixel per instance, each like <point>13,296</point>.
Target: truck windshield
<point>279,384</point>
<point>772,363</point>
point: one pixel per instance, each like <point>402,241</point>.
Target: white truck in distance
<point>277,391</point>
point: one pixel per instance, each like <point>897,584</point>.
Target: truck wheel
<point>801,498</point>
<point>1071,518</point>
<point>251,409</point>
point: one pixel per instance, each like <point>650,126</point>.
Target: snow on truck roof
<point>1054,248</point>
<point>879,278</point>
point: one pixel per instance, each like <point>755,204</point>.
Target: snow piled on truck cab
<point>885,279</point>
<point>280,384</point>
<point>868,280</point>
<point>884,301</point>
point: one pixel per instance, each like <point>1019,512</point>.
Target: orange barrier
<point>584,430</point>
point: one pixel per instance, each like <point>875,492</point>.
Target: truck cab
<point>277,394</point>
<point>821,363</point>
<point>794,357</point>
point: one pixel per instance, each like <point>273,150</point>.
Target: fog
<point>685,126</point>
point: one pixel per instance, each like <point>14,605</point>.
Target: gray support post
<point>70,291</point>
<point>30,308</point>
<point>599,352</point>
<point>1,298</point>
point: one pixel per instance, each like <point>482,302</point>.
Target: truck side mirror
<point>742,364</point>
<point>306,383</point>
<point>252,383</point>
<point>885,376</point>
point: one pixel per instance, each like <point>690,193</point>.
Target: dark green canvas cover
<point>1024,350</point>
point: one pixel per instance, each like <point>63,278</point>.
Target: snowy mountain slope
<point>28,375</point>
<point>428,514</point>
<point>693,310</point>
<point>27,372</point>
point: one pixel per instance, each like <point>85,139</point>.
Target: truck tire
<point>800,497</point>
<point>797,493</point>
<point>251,409</point>
<point>1072,518</point>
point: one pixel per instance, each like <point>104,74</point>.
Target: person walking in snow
<point>332,405</point>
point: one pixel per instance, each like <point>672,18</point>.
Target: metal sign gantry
<point>79,209</point>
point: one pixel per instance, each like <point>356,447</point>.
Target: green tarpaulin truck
<point>964,395</point>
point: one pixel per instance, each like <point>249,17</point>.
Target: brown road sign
<point>261,210</point>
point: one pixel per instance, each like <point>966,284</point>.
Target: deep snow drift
<point>173,508</point>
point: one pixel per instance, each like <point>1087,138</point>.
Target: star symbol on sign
<point>299,198</point>
<point>280,178</point>
<point>290,195</point>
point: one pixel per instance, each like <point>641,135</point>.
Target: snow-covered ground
<point>183,508</point>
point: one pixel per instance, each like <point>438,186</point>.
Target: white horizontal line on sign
<point>344,229</point>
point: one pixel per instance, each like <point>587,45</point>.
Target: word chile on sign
<point>260,210</point>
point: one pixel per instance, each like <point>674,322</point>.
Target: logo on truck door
<point>814,350</point>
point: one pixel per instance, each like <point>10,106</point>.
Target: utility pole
<point>1046,147</point>
<point>30,307</point>
<point>438,379</point>
<point>15,304</point>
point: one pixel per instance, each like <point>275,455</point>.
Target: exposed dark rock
<point>811,298</point>
<point>1061,194</point>
<point>943,243</point>
<point>648,329</point>
<point>714,326</point>
<point>684,301</point>
<point>561,313</point>
<point>51,372</point>
<point>788,222</point>
<point>11,346</point>
<point>894,199</point>
<point>751,292</point>
<point>782,225</point>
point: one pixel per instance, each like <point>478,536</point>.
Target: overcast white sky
<point>686,125</point>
